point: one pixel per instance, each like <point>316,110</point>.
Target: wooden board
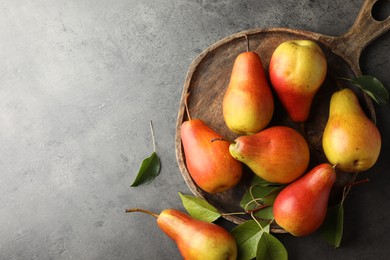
<point>209,74</point>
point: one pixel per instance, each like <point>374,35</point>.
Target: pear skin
<point>209,163</point>
<point>300,208</point>
<point>350,140</point>
<point>297,69</point>
<point>195,239</point>
<point>248,103</point>
<point>277,154</point>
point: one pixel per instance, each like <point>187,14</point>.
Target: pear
<point>300,208</point>
<point>209,164</point>
<point>350,140</point>
<point>297,69</point>
<point>277,154</point>
<point>248,103</point>
<point>196,239</point>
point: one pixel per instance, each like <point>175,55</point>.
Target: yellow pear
<point>350,140</point>
<point>248,104</point>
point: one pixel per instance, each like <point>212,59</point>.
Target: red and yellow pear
<point>248,103</point>
<point>209,163</point>
<point>297,69</point>
<point>277,154</point>
<point>195,239</point>
<point>300,208</point>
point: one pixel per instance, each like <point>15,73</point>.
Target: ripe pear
<point>297,69</point>
<point>277,154</point>
<point>300,208</point>
<point>350,140</point>
<point>248,103</point>
<point>196,239</point>
<point>209,163</point>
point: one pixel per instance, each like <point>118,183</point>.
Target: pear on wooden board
<point>277,154</point>
<point>248,103</point>
<point>297,69</point>
<point>196,239</point>
<point>351,141</point>
<point>209,163</point>
<point>300,208</point>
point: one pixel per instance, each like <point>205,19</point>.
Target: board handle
<point>364,30</point>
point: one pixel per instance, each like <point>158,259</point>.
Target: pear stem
<point>220,139</point>
<point>186,106</point>
<point>302,127</point>
<point>247,42</point>
<point>142,210</point>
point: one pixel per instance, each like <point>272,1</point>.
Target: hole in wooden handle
<point>381,10</point>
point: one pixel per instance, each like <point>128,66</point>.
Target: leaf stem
<point>255,219</point>
<point>142,210</point>
<point>358,182</point>
<point>347,188</point>
<point>234,213</point>
<point>258,208</point>
<point>154,140</point>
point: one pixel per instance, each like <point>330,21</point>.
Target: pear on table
<point>248,103</point>
<point>300,208</point>
<point>195,239</point>
<point>350,140</point>
<point>297,69</point>
<point>277,154</point>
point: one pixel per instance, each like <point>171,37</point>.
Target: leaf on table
<point>332,228</point>
<point>270,248</point>
<point>149,170</point>
<point>150,166</point>
<point>247,236</point>
<point>199,208</point>
<point>373,87</point>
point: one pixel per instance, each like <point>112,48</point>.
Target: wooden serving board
<point>209,74</point>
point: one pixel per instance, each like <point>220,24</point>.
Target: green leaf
<point>199,208</point>
<point>247,236</point>
<point>270,248</point>
<point>373,87</point>
<point>332,228</point>
<point>149,170</point>
<point>265,213</point>
<point>261,182</point>
<point>257,196</point>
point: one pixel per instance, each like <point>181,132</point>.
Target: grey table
<point>79,83</point>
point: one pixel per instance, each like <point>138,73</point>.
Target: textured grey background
<point>79,83</point>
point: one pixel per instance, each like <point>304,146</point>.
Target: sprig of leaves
<point>150,166</point>
<point>260,195</point>
<point>372,87</point>
<point>253,237</point>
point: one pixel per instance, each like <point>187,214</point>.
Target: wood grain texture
<point>209,74</point>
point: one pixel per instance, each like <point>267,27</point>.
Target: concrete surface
<point>79,83</point>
